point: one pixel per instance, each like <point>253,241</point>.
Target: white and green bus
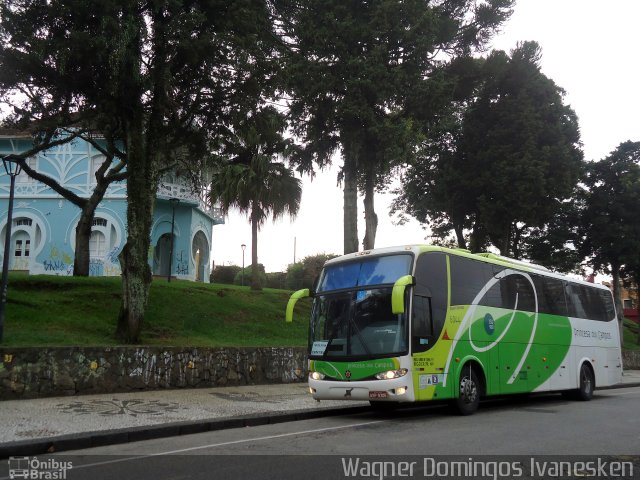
<point>420,323</point>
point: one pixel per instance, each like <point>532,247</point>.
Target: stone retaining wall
<point>53,371</point>
<point>631,360</point>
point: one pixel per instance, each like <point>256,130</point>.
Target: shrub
<point>224,274</point>
<point>248,275</point>
<point>295,273</point>
<point>277,280</point>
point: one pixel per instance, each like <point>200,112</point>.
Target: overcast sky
<point>589,48</point>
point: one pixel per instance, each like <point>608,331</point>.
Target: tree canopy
<point>160,78</point>
<point>501,161</point>
<point>357,70</point>
<point>251,178</point>
<point>609,227</point>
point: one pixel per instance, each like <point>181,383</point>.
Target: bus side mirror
<point>292,302</point>
<point>397,294</point>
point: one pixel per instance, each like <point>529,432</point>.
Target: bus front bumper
<point>396,390</point>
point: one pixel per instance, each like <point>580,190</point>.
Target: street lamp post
<point>243,246</point>
<point>13,170</point>
<point>174,202</point>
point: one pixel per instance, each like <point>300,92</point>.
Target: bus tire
<point>469,389</point>
<point>587,383</point>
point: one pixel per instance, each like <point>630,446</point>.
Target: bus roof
<point>486,257</point>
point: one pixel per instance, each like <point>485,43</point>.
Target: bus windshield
<point>359,323</point>
<point>367,271</point>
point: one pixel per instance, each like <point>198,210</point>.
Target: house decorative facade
<point>44,223</point>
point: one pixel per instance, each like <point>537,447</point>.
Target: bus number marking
<point>374,395</point>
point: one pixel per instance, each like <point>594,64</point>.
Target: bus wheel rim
<point>468,390</point>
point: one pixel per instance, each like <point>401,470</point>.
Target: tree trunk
<point>515,244</point>
<point>371,219</point>
<point>146,145</point>
<point>462,243</point>
<point>83,234</point>
<point>82,255</point>
<point>478,239</point>
<point>255,280</point>
<point>136,273</point>
<point>350,210</point>
<point>637,280</point>
<point>617,298</point>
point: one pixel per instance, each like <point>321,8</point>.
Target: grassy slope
<point>45,310</point>
<point>630,335</point>
<point>49,310</point>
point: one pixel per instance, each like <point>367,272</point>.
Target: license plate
<point>378,394</point>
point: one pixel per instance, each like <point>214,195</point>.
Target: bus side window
<point>551,295</point>
<point>422,334</point>
<point>432,285</point>
<point>607,300</point>
<point>575,304</point>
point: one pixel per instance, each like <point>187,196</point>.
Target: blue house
<point>44,223</point>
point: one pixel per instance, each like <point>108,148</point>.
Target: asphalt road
<point>549,428</point>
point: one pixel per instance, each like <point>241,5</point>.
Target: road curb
<point>620,385</point>
<point>77,441</point>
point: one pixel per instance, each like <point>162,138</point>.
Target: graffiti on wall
<point>61,263</point>
<point>182,265</point>
<point>58,262</point>
<point>62,370</point>
<point>96,267</point>
<point>112,256</point>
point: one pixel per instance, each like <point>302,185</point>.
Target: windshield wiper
<point>362,342</point>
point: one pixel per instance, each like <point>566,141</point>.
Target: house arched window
<point>106,236</point>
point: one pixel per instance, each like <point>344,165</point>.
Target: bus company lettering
<point>592,334</point>
<point>581,333</point>
<point>355,366</point>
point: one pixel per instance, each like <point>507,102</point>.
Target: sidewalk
<point>30,427</point>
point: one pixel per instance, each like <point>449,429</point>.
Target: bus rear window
<point>368,271</point>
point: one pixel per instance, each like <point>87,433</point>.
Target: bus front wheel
<point>468,392</point>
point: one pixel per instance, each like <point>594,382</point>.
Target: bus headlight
<point>316,375</point>
<point>391,374</point>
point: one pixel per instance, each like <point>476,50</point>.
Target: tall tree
<point>162,75</point>
<point>251,180</point>
<point>503,162</point>
<point>356,69</point>
<point>609,223</point>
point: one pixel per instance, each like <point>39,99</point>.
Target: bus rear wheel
<point>468,392</point>
<point>587,383</point>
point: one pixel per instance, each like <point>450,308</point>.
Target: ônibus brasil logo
<point>33,468</point>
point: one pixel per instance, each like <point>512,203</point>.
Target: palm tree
<point>251,181</point>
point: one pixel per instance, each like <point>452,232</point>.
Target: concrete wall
<point>53,371</point>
